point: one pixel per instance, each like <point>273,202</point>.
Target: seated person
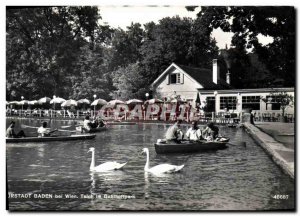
<point>43,131</point>
<point>174,133</point>
<point>210,132</point>
<point>86,125</point>
<point>10,132</point>
<point>101,122</point>
<point>194,132</point>
<point>94,123</point>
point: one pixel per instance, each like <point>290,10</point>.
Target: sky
<point>120,16</point>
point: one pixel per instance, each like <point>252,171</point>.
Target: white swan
<point>108,166</point>
<point>162,168</point>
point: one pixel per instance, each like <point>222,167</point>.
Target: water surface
<point>240,177</point>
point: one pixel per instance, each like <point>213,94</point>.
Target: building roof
<point>204,77</point>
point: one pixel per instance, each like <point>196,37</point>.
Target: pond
<point>240,177</point>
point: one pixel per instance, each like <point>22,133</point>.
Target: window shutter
<point>168,79</point>
<point>182,78</point>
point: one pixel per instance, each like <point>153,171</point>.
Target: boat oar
<point>27,126</point>
<point>68,126</point>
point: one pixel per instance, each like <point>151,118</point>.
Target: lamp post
<point>215,94</point>
<point>144,106</point>
<point>94,105</point>
<point>53,105</point>
<point>54,101</point>
<point>22,98</point>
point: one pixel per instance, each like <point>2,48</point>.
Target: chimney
<point>216,73</point>
<point>228,77</point>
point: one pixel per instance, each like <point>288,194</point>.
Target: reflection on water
<point>241,177</point>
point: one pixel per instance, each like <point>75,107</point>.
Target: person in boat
<point>43,131</point>
<point>86,125</point>
<point>194,132</point>
<point>94,123</point>
<point>100,122</point>
<point>174,133</point>
<point>211,131</point>
<point>10,132</point>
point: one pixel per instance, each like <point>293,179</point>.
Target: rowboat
<point>93,130</point>
<point>189,146</point>
<point>52,138</point>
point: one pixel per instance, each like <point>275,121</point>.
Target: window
<point>175,78</point>
<point>228,103</point>
<point>251,102</point>
<point>210,104</point>
<point>274,101</point>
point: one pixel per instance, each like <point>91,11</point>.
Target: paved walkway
<point>281,132</point>
<point>278,140</point>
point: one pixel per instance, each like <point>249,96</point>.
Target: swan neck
<point>147,161</point>
<point>93,160</point>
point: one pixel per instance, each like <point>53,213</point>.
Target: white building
<point>186,82</point>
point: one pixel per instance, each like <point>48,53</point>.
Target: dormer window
<point>175,78</point>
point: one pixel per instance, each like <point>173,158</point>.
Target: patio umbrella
<point>33,102</point>
<point>134,101</point>
<point>153,101</point>
<point>57,100</point>
<point>44,100</point>
<point>68,103</point>
<point>23,102</point>
<point>99,102</point>
<point>83,101</point>
<point>13,102</point>
<point>115,102</point>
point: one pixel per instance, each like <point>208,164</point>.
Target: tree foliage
<point>64,51</point>
<point>283,98</point>
<point>42,46</point>
<point>129,83</point>
<point>248,23</point>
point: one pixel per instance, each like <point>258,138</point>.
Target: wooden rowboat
<point>189,146</point>
<point>52,138</point>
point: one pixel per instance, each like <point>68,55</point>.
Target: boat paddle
<point>68,126</point>
<point>27,126</point>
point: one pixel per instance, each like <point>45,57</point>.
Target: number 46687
<point>280,196</point>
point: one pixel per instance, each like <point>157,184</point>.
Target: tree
<point>283,98</point>
<point>42,47</point>
<point>125,46</point>
<point>179,40</point>
<point>129,83</point>
<point>91,76</point>
<point>247,23</point>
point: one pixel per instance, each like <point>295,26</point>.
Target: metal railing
<point>221,117</point>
